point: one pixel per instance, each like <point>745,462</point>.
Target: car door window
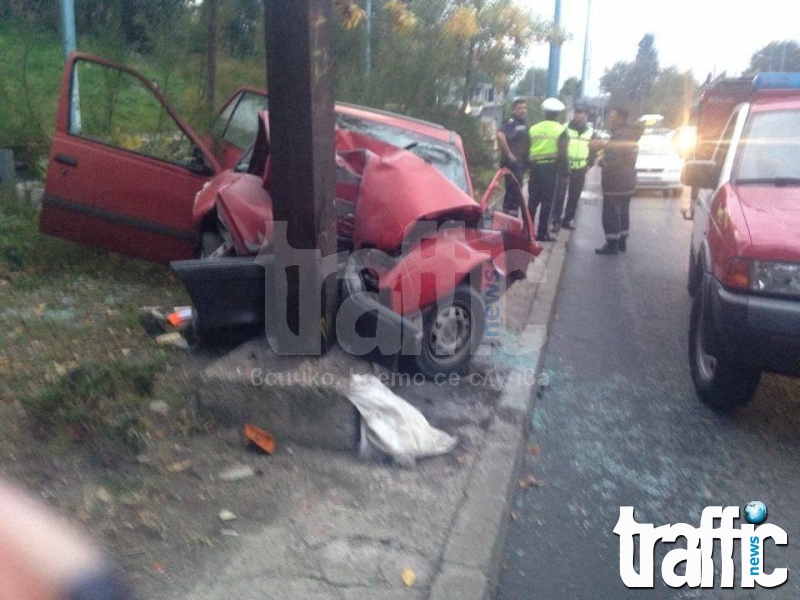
<point>238,122</point>
<point>724,143</point>
<point>116,108</point>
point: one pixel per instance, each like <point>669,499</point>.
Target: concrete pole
<point>368,45</point>
<point>69,43</point>
<point>554,66</point>
<point>585,67</point>
<point>301,120</point>
<point>68,26</point>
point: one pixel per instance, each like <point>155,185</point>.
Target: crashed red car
<point>417,249</point>
<point>124,166</point>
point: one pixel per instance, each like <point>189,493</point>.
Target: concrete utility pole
<point>585,67</point>
<point>302,154</point>
<point>69,43</point>
<point>554,66</point>
<point>368,45</point>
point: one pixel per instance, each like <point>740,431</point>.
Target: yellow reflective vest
<point>544,141</point>
<point>578,150</point>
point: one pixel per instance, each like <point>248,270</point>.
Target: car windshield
<point>446,159</point>
<point>769,149</point>
<point>656,145</point>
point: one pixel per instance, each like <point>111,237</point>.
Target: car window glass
<point>725,141</point>
<point>770,146</point>
<point>238,122</point>
<point>115,108</point>
<point>656,145</point>
<point>447,160</point>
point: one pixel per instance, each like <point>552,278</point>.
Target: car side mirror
<point>702,174</point>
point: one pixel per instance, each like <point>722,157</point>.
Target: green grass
<point>72,350</point>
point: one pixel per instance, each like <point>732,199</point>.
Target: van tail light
<point>737,274</point>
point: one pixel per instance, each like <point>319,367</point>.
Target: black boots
<point>610,247</point>
<point>623,244</point>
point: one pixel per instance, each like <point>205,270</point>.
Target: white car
<point>659,165</point>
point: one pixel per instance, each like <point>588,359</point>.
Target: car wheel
<point>452,331</point>
<point>695,275</point>
<point>677,192</point>
<point>721,382</point>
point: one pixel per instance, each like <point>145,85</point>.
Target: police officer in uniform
<point>514,143</point>
<point>548,160</point>
<point>581,153</point>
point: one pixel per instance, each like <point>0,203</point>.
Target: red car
<point>132,191</point>
<point>418,252</point>
<point>744,265</point>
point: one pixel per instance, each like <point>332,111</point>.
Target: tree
<point>644,73</point>
<point>775,56</point>
<point>570,89</point>
<point>673,95</point>
<point>489,37</point>
<point>631,84</point>
<point>533,83</point>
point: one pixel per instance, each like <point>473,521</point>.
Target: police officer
<point>548,160</point>
<point>581,153</point>
<point>514,143</point>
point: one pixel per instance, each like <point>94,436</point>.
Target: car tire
<point>721,382</point>
<point>452,332</point>
<point>695,275</point>
<point>676,192</point>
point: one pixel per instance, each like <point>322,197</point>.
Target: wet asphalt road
<point>620,425</point>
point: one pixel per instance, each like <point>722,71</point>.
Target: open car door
<point>236,125</point>
<point>124,167</point>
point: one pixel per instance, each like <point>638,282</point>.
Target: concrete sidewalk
<point>345,528</point>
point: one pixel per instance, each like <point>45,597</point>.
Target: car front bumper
<point>658,180</point>
<point>757,330</point>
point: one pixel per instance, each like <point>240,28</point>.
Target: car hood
<point>773,220</point>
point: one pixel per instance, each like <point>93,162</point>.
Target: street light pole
<point>555,57</point>
<point>368,45</point>
<point>585,69</point>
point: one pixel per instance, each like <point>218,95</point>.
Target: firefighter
<point>618,179</point>
<point>548,160</point>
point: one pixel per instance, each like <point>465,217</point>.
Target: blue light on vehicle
<point>776,81</point>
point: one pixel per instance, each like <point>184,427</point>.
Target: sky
<point>704,36</point>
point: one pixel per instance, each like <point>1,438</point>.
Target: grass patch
<point>104,400</point>
<point>72,350</point>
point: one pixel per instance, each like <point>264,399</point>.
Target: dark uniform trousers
<point>513,198</point>
<point>616,216</point>
<point>542,192</point>
<point>571,188</point>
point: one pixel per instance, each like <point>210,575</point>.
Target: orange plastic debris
<point>260,438</point>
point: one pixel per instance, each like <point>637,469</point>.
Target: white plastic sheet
<point>392,426</point>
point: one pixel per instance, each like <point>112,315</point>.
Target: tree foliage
<point>643,87</point>
<point>775,56</point>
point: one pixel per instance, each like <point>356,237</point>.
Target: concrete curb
<point>473,554</point>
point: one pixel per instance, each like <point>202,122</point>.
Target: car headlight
<point>775,277</point>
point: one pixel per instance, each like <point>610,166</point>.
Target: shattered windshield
<point>769,149</point>
<point>447,160</point>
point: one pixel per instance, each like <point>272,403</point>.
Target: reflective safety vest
<point>578,150</point>
<point>544,141</point>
